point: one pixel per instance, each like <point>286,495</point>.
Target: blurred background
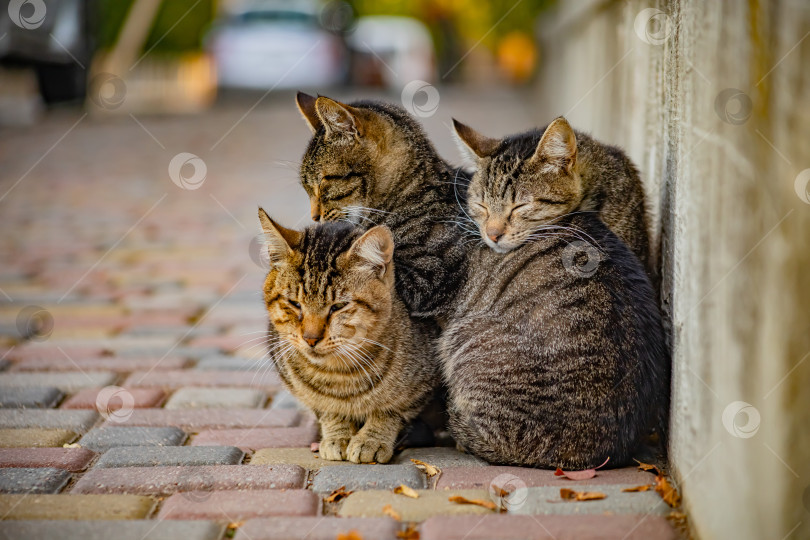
<point>137,138</point>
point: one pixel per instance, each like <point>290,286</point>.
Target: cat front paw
<point>364,449</point>
<point>333,449</point>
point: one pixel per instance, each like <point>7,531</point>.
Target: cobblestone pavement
<point>134,401</point>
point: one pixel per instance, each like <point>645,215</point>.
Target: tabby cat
<point>341,338</point>
<point>553,172</point>
<point>555,353</point>
<point>371,163</point>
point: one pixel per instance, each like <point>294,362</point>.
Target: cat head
<point>521,186</point>
<point>330,288</point>
<point>355,157</point>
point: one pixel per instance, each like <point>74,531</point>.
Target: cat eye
<point>482,207</point>
<point>548,201</point>
<point>338,306</point>
<point>294,304</point>
<point>515,208</point>
<point>350,174</point>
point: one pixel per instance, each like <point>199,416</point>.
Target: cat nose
<point>311,339</point>
<point>494,233</point>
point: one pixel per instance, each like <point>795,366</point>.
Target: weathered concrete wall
<point>712,100</point>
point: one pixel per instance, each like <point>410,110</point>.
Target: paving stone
<point>77,421</point>
<point>117,364</point>
<point>119,530</point>
<point>4,362</point>
<point>317,528</point>
<point>357,477</point>
<point>202,419</point>
<point>167,480</point>
<point>508,527</point>
<point>75,507</point>
<point>150,456</point>
<point>28,351</point>
<point>227,363</point>
<point>430,503</point>
<point>192,353</point>
<point>544,500</point>
<point>440,457</point>
<point>302,457</point>
<point>104,438</point>
<point>35,438</point>
<point>68,381</point>
<point>69,459</point>
<point>33,480</point>
<point>142,398</point>
<point>481,477</point>
<point>239,505</point>
<point>284,400</point>
<point>216,398</point>
<point>29,397</point>
<point>253,439</point>
<point>181,378</point>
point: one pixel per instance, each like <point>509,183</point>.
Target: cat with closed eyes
<point>342,339</point>
<point>554,353</point>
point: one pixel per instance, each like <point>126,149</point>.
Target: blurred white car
<point>277,44</point>
<point>394,50</point>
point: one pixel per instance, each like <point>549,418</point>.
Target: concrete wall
<point>732,212</point>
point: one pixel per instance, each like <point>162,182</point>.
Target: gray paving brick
<point>546,500</point>
<point>228,363</point>
<point>357,477</point>
<point>67,381</point>
<point>150,456</point>
<point>141,529</point>
<point>440,457</point>
<point>4,363</point>
<point>43,397</point>
<point>104,438</point>
<point>284,400</point>
<point>33,480</point>
<point>76,421</point>
<point>216,398</point>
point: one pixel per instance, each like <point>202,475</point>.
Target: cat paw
<point>367,449</point>
<point>333,449</point>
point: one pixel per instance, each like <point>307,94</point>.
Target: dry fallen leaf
<point>72,445</point>
<point>571,495</point>
<point>402,489</point>
<point>478,502</point>
<point>677,516</point>
<point>388,510</point>
<point>409,534</point>
<point>647,467</point>
<point>338,494</point>
<point>667,492</point>
<point>235,524</point>
<point>427,468</point>
<point>634,489</point>
<point>580,475</point>
<point>351,535</point>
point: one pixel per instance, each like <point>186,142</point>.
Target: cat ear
<point>374,249</point>
<point>558,145</point>
<point>280,241</point>
<point>338,119</point>
<point>306,106</point>
<point>475,145</point>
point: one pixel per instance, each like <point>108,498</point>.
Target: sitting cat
<point>553,172</point>
<point>341,338</point>
<point>554,353</point>
<point>371,163</point>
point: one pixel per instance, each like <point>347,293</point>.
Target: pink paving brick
<point>224,342</point>
<point>317,528</point>
<point>509,527</point>
<point>480,477</point>
<point>180,378</point>
<point>238,505</point>
<point>251,440</point>
<point>105,363</point>
<point>143,398</point>
<point>54,353</point>
<point>168,480</point>
<point>69,459</point>
<point>195,420</point>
